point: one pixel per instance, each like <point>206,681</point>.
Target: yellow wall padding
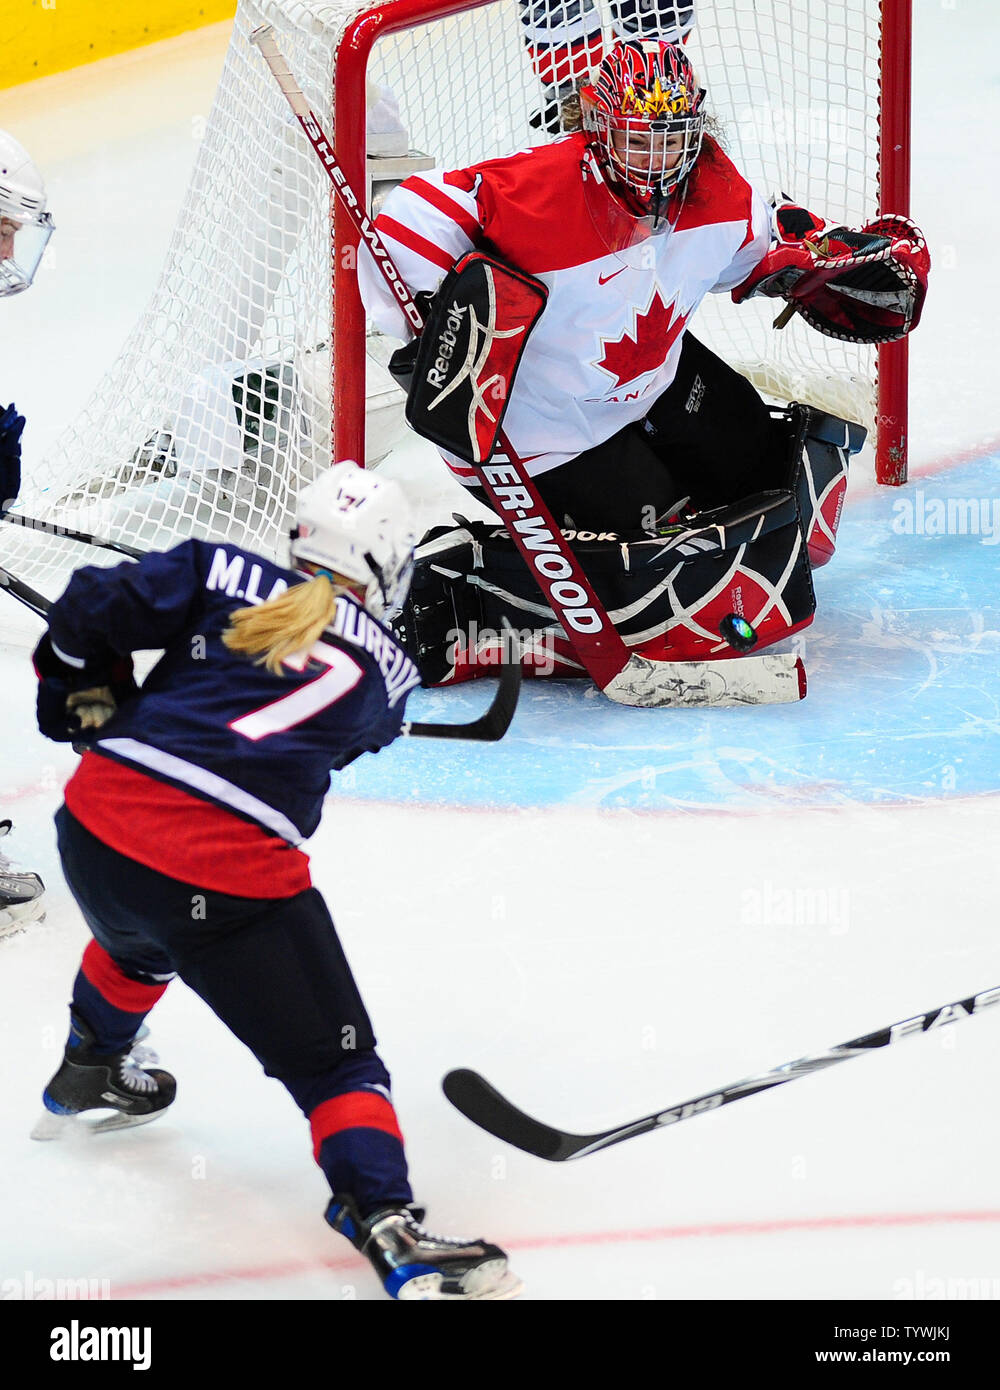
<point>43,36</point>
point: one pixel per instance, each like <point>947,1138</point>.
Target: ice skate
<point>415,1265</point>
<point>20,895</point>
<point>92,1080</point>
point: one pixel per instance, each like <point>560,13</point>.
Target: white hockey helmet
<point>354,524</point>
<point>25,226</point>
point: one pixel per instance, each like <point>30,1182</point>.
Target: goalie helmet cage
<point>218,409</point>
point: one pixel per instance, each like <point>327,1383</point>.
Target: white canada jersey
<point>608,341</point>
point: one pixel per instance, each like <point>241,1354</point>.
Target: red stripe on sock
<point>555,63</point>
<point>355,1110</point>
<point>131,996</point>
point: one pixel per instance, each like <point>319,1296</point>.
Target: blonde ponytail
<point>290,623</point>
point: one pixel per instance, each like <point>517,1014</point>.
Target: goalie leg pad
<point>667,595</point>
<point>819,450</point>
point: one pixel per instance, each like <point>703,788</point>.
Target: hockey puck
<point>737,632</point>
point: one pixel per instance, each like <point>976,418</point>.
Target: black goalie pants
<point>708,438</point>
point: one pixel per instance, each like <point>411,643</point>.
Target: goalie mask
<point>25,226</point>
<point>359,527</point>
<point>645,118</point>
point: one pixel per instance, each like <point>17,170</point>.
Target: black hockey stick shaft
<point>24,593</point>
<point>49,528</point>
<point>481,1103</point>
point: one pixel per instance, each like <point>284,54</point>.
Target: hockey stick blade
<point>483,1104</point>
<point>491,726</point>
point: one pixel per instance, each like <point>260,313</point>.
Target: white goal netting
<point>219,406</point>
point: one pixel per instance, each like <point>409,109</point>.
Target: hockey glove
<point>93,708</point>
<point>11,426</point>
<point>75,702</point>
<point>862,286</point>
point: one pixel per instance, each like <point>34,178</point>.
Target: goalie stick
<point>629,679</point>
<point>481,1103</point>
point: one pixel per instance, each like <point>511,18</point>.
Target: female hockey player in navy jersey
<point>180,830</point>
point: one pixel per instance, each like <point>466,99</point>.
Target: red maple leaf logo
<point>634,354</point>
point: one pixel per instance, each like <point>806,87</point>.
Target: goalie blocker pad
<point>458,374</point>
<point>666,594</point>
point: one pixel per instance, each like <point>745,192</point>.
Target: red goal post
<point>894,196</point>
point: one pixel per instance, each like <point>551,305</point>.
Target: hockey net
<point>243,376</point>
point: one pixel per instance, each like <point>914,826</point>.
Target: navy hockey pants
<point>273,970</point>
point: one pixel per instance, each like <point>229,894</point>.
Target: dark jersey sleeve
<point>107,613</point>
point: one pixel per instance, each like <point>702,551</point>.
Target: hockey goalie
<point>560,284</point>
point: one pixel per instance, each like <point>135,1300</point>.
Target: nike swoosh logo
<point>603,279</point>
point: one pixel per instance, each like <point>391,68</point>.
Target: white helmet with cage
<point>25,226</point>
<point>360,527</point>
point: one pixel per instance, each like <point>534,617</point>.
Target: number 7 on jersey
<point>340,677</point>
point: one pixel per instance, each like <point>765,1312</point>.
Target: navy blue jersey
<point>213,722</point>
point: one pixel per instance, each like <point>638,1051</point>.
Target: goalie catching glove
<point>862,286</point>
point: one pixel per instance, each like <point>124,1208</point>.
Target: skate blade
<point>510,1286</point>
<point>480,1285</point>
<point>50,1126</point>
<point>13,920</point>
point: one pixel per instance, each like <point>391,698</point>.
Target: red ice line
<point>289,1269</point>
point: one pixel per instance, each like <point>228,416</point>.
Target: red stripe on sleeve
<point>131,996</point>
<point>461,178</point>
<point>750,231</point>
<point>355,1110</point>
<point>444,204</point>
<point>389,227</point>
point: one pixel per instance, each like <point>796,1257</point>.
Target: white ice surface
<point>595,965</point>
